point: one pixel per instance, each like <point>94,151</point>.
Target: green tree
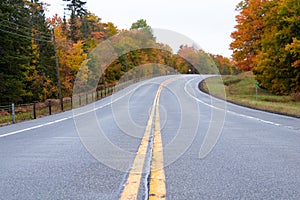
<point>76,7</point>
<point>42,62</point>
<point>15,42</point>
<point>277,64</point>
<point>141,24</point>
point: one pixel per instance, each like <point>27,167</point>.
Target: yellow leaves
<point>110,29</point>
<point>92,18</point>
<point>76,56</point>
<point>71,55</point>
<point>294,49</point>
<point>35,51</point>
<point>41,87</point>
<point>70,62</point>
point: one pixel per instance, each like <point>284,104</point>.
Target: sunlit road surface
<point>256,156</point>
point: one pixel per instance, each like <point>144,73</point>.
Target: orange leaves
<point>249,30</point>
<point>278,59</point>
<point>98,35</point>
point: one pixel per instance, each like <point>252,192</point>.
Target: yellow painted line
<point>157,184</point>
<point>131,187</point>
<point>157,177</point>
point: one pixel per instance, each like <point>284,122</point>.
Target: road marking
<point>70,117</point>
<point>232,112</point>
<point>157,186</point>
<point>34,127</point>
<point>131,187</point>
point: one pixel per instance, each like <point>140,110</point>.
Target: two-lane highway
<point>89,153</point>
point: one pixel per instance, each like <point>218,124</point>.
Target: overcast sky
<point>207,22</point>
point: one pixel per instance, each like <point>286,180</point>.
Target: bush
<point>20,110</point>
<point>296,97</point>
<point>4,113</point>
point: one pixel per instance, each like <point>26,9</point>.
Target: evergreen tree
<point>42,59</point>
<point>141,24</point>
<point>76,7</point>
<point>15,51</point>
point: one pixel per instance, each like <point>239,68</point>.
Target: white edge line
<point>117,99</point>
<point>74,115</point>
<point>231,112</point>
<point>34,127</point>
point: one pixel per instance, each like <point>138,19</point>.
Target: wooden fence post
<point>34,110</point>
<point>49,104</point>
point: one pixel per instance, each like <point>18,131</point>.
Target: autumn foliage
<point>266,41</point>
<point>28,63</point>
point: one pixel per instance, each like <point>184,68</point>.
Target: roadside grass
<point>26,112</point>
<point>241,89</point>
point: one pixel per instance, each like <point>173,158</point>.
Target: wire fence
<point>15,113</point>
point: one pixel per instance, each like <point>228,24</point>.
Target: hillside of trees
<point>27,56</point>
<point>267,42</point>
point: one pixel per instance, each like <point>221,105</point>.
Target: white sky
<point>207,22</point>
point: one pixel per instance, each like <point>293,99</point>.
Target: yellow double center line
<point>157,187</point>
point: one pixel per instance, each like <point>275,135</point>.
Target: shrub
<point>296,97</point>
<point>4,113</point>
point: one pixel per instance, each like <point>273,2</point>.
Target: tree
<point>225,65</point>
<point>42,59</point>
<point>277,64</point>
<point>246,39</point>
<point>76,7</point>
<point>109,29</point>
<point>141,24</point>
<point>15,42</point>
<point>77,12</point>
<point>294,49</point>
<point>267,42</point>
<point>192,60</point>
<point>70,54</point>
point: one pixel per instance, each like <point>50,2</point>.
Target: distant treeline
<point>27,57</point>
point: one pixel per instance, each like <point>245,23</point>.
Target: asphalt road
<point>211,150</point>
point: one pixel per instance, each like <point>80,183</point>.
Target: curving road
<point>211,150</point>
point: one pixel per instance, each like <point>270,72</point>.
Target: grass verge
<point>240,89</point>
